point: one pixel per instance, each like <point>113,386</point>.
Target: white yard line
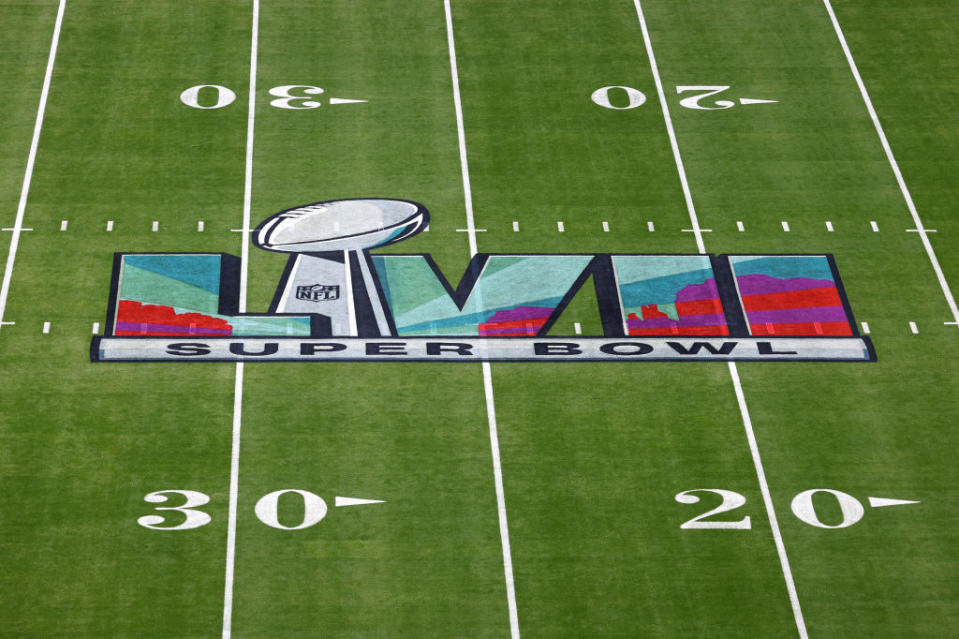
<point>238,381</point>
<point>487,371</point>
<point>768,501</point>
<point>923,236</point>
<point>733,370</point>
<point>31,159</point>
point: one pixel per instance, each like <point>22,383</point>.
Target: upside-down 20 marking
<point>337,301</point>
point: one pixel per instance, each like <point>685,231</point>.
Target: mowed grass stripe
<point>860,429</point>
<point>733,369</point>
<point>428,561</point>
<point>594,454</point>
<point>82,443</point>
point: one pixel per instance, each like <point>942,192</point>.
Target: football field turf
<point>536,499</point>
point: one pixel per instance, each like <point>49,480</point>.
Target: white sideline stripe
<point>768,501</point>
<point>865,328</point>
<point>560,227</point>
<point>946,291</point>
<point>733,370</point>
<point>46,327</point>
<point>785,226</point>
<point>96,327</point>
<point>913,328</point>
<point>874,226</point>
<point>487,370</point>
<point>651,227</point>
<point>110,225</point>
<point>31,159</point>
<point>516,227</point>
<point>829,226</point>
<point>740,227</point>
<point>238,380</point>
<point>605,227</point>
<point>63,225</point>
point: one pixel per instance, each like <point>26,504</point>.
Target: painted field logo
<point>338,302</point>
<point>317,293</point>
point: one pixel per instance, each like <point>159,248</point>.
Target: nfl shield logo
<point>318,293</point>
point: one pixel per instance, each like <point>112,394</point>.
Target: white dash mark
<point>650,226</point>
<point>63,225</point>
<point>110,225</point>
<point>605,227</point>
<point>96,327</point>
<point>577,328</point>
<point>740,226</point>
<point>46,327</point>
<point>875,227</point>
<point>155,227</point>
<point>561,227</point>
<point>785,226</point>
<point>865,328</point>
<point>200,226</point>
<point>345,101</point>
<point>515,227</point>
<point>339,502</point>
<point>913,328</point>
<point>756,101</point>
<point>882,502</point>
<point>829,226</point>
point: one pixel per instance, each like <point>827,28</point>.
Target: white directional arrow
<point>756,101</point>
<point>353,501</point>
<point>345,101</point>
<point>880,502</point>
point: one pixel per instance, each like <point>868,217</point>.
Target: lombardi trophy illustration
<point>329,271</point>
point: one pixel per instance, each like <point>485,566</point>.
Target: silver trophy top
<point>341,225</point>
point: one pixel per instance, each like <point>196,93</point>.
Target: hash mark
<point>650,226</point>
<point>200,226</point>
<point>561,227</point>
<point>156,226</point>
<point>515,226</point>
<point>829,226</point>
<point>785,226</point>
<point>110,225</point>
<point>740,227</point>
<point>875,227</point>
<point>63,225</point>
<point>577,328</point>
<point>605,227</point>
<point>96,327</point>
<point>46,327</point>
<point>865,328</point>
<point>913,328</point>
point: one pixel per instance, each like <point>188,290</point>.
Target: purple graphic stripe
<point>794,315</point>
<point>760,284</point>
<point>714,319</point>
<point>148,329</point>
<point>697,292</point>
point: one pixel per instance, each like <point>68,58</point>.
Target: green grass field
<point>592,455</point>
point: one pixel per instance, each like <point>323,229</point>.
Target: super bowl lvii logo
<point>338,301</point>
